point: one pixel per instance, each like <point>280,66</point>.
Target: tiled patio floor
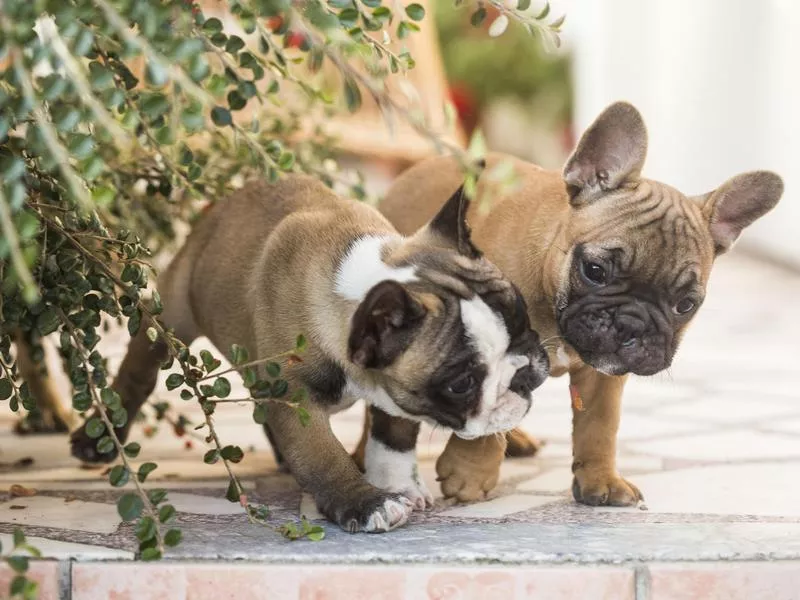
<point>714,445</point>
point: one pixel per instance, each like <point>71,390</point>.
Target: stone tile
<point>203,505</point>
<point>790,426</point>
<point>723,446</point>
<point>45,573</point>
<point>67,550</point>
<point>557,480</point>
<point>47,511</point>
<point>633,463</point>
<point>498,507</point>
<point>727,581</point>
<point>758,489</point>
<point>725,409</point>
<point>574,583</point>
<point>636,427</point>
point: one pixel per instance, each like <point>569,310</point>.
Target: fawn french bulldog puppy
<point>421,327</point>
<point>613,267</point>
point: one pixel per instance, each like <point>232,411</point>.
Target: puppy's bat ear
<point>610,152</point>
<point>450,224</point>
<point>737,204</point>
<point>383,325</point>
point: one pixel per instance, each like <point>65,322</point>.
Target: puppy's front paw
<point>84,448</point>
<point>521,445</point>
<point>418,494</point>
<point>469,469</point>
<point>604,490</point>
<point>375,512</point>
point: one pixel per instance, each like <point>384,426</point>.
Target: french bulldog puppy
<point>613,267</point>
<point>422,327</point>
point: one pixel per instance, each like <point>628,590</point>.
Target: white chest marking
<point>362,269</point>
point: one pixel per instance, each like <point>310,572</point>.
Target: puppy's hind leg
<point>50,415</point>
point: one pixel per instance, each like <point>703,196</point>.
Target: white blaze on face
<point>500,409</point>
<point>362,269</point>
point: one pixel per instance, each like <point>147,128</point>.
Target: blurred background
<point>715,80</point>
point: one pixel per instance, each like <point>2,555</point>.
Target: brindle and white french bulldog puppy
<point>422,327</point>
<point>613,267</point>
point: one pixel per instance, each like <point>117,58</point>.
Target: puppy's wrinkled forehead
<point>652,233</point>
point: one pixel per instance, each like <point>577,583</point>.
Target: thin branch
<point>101,409</point>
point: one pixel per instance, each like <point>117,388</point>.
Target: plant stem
<point>101,410</point>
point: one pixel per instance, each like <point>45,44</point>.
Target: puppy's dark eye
<point>685,306</point>
<point>461,386</point>
<point>594,272</point>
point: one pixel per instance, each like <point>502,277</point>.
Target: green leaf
<point>232,493</point>
<point>146,529</point>
<point>209,362</point>
<point>105,445</point>
<point>174,380</point>
<point>260,413</point>
<point>211,457</point>
<point>544,12</point>
<point>300,343</point>
<point>166,513</point>
<point>305,417</point>
<point>19,537</point>
<point>273,369</point>
<point>111,398</point>
<point>83,42</point>
<point>523,5</point>
<point>18,563</point>
<point>348,18</point>
<point>152,334</point>
<point>132,449</point>
<point>145,470</point>
<point>232,453</point>
<point>249,377</point>
<point>130,507</point>
<point>149,554</point>
<point>95,427</point>
<point>172,537</point>
<point>119,475</point>
<point>186,395</point>
<point>235,43</point>
<point>236,101</point>
<point>6,389</point>
<point>222,387</point>
<point>279,388</point>
<point>221,116</point>
<point>239,354</point>
<point>100,76</point>
<point>352,95</point>
<point>316,533</point>
<point>415,12</point>
<point>156,496</point>
<point>80,145</point>
<point>212,25</point>
<point>286,161</point>
<point>103,196</point>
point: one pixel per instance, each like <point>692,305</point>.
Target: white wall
<point>718,83</point>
